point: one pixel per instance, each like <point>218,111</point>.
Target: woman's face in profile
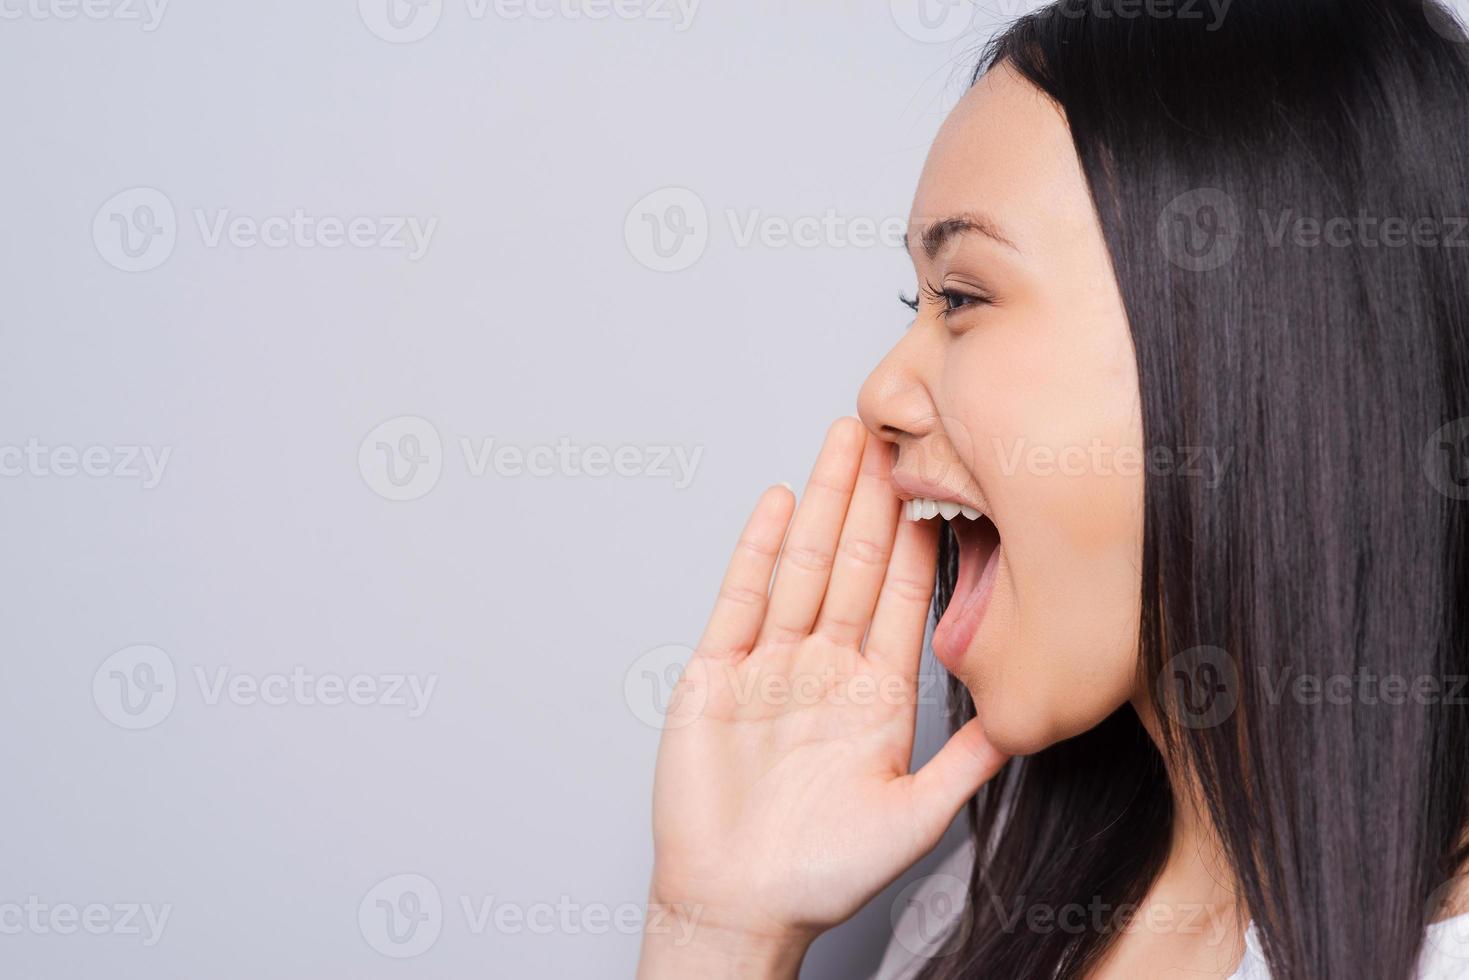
<point>1015,392</point>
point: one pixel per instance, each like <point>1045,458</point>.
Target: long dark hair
<point>1332,365</point>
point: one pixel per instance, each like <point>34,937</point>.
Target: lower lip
<point>965,612</point>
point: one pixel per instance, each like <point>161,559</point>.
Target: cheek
<point>1053,434</point>
<point>1057,449</point>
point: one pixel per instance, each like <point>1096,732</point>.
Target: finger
<point>946,783</point>
<point>896,637</point>
<point>863,551</point>
<point>805,562</point>
<point>740,608</point>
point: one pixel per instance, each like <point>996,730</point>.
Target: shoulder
<point>1445,954</point>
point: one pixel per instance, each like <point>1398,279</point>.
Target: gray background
<point>538,605</point>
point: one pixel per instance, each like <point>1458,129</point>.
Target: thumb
<point>961,767</point>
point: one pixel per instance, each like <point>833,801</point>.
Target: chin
<point>1019,722</point>
<point>1012,722</point>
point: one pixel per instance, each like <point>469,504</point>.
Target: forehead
<point>1004,152</point>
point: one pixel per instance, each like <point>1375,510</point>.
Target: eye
<point>953,300</point>
<point>957,301</point>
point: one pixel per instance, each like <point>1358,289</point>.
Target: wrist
<point>681,942</point>
<point>707,957</point>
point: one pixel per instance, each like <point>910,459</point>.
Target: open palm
<point>782,799</point>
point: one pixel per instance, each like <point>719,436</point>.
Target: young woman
<point>1179,430</point>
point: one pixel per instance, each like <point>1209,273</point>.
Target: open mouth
<point>979,555</point>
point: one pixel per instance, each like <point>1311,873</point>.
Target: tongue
<point>979,542</point>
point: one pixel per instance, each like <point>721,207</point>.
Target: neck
<point>1195,890</point>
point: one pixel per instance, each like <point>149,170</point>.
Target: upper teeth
<point>922,508</point>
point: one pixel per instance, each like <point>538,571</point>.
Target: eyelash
<point>952,300</point>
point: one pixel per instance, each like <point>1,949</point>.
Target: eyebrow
<point>937,234</point>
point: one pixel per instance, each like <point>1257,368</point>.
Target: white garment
<point>1445,953</point>
<point>926,911</point>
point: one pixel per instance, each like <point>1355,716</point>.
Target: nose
<point>895,402</point>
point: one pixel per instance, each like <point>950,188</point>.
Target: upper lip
<point>910,485</point>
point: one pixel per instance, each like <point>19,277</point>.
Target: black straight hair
<point>1253,177</point>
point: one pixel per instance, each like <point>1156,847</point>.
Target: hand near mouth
<point>782,798</point>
